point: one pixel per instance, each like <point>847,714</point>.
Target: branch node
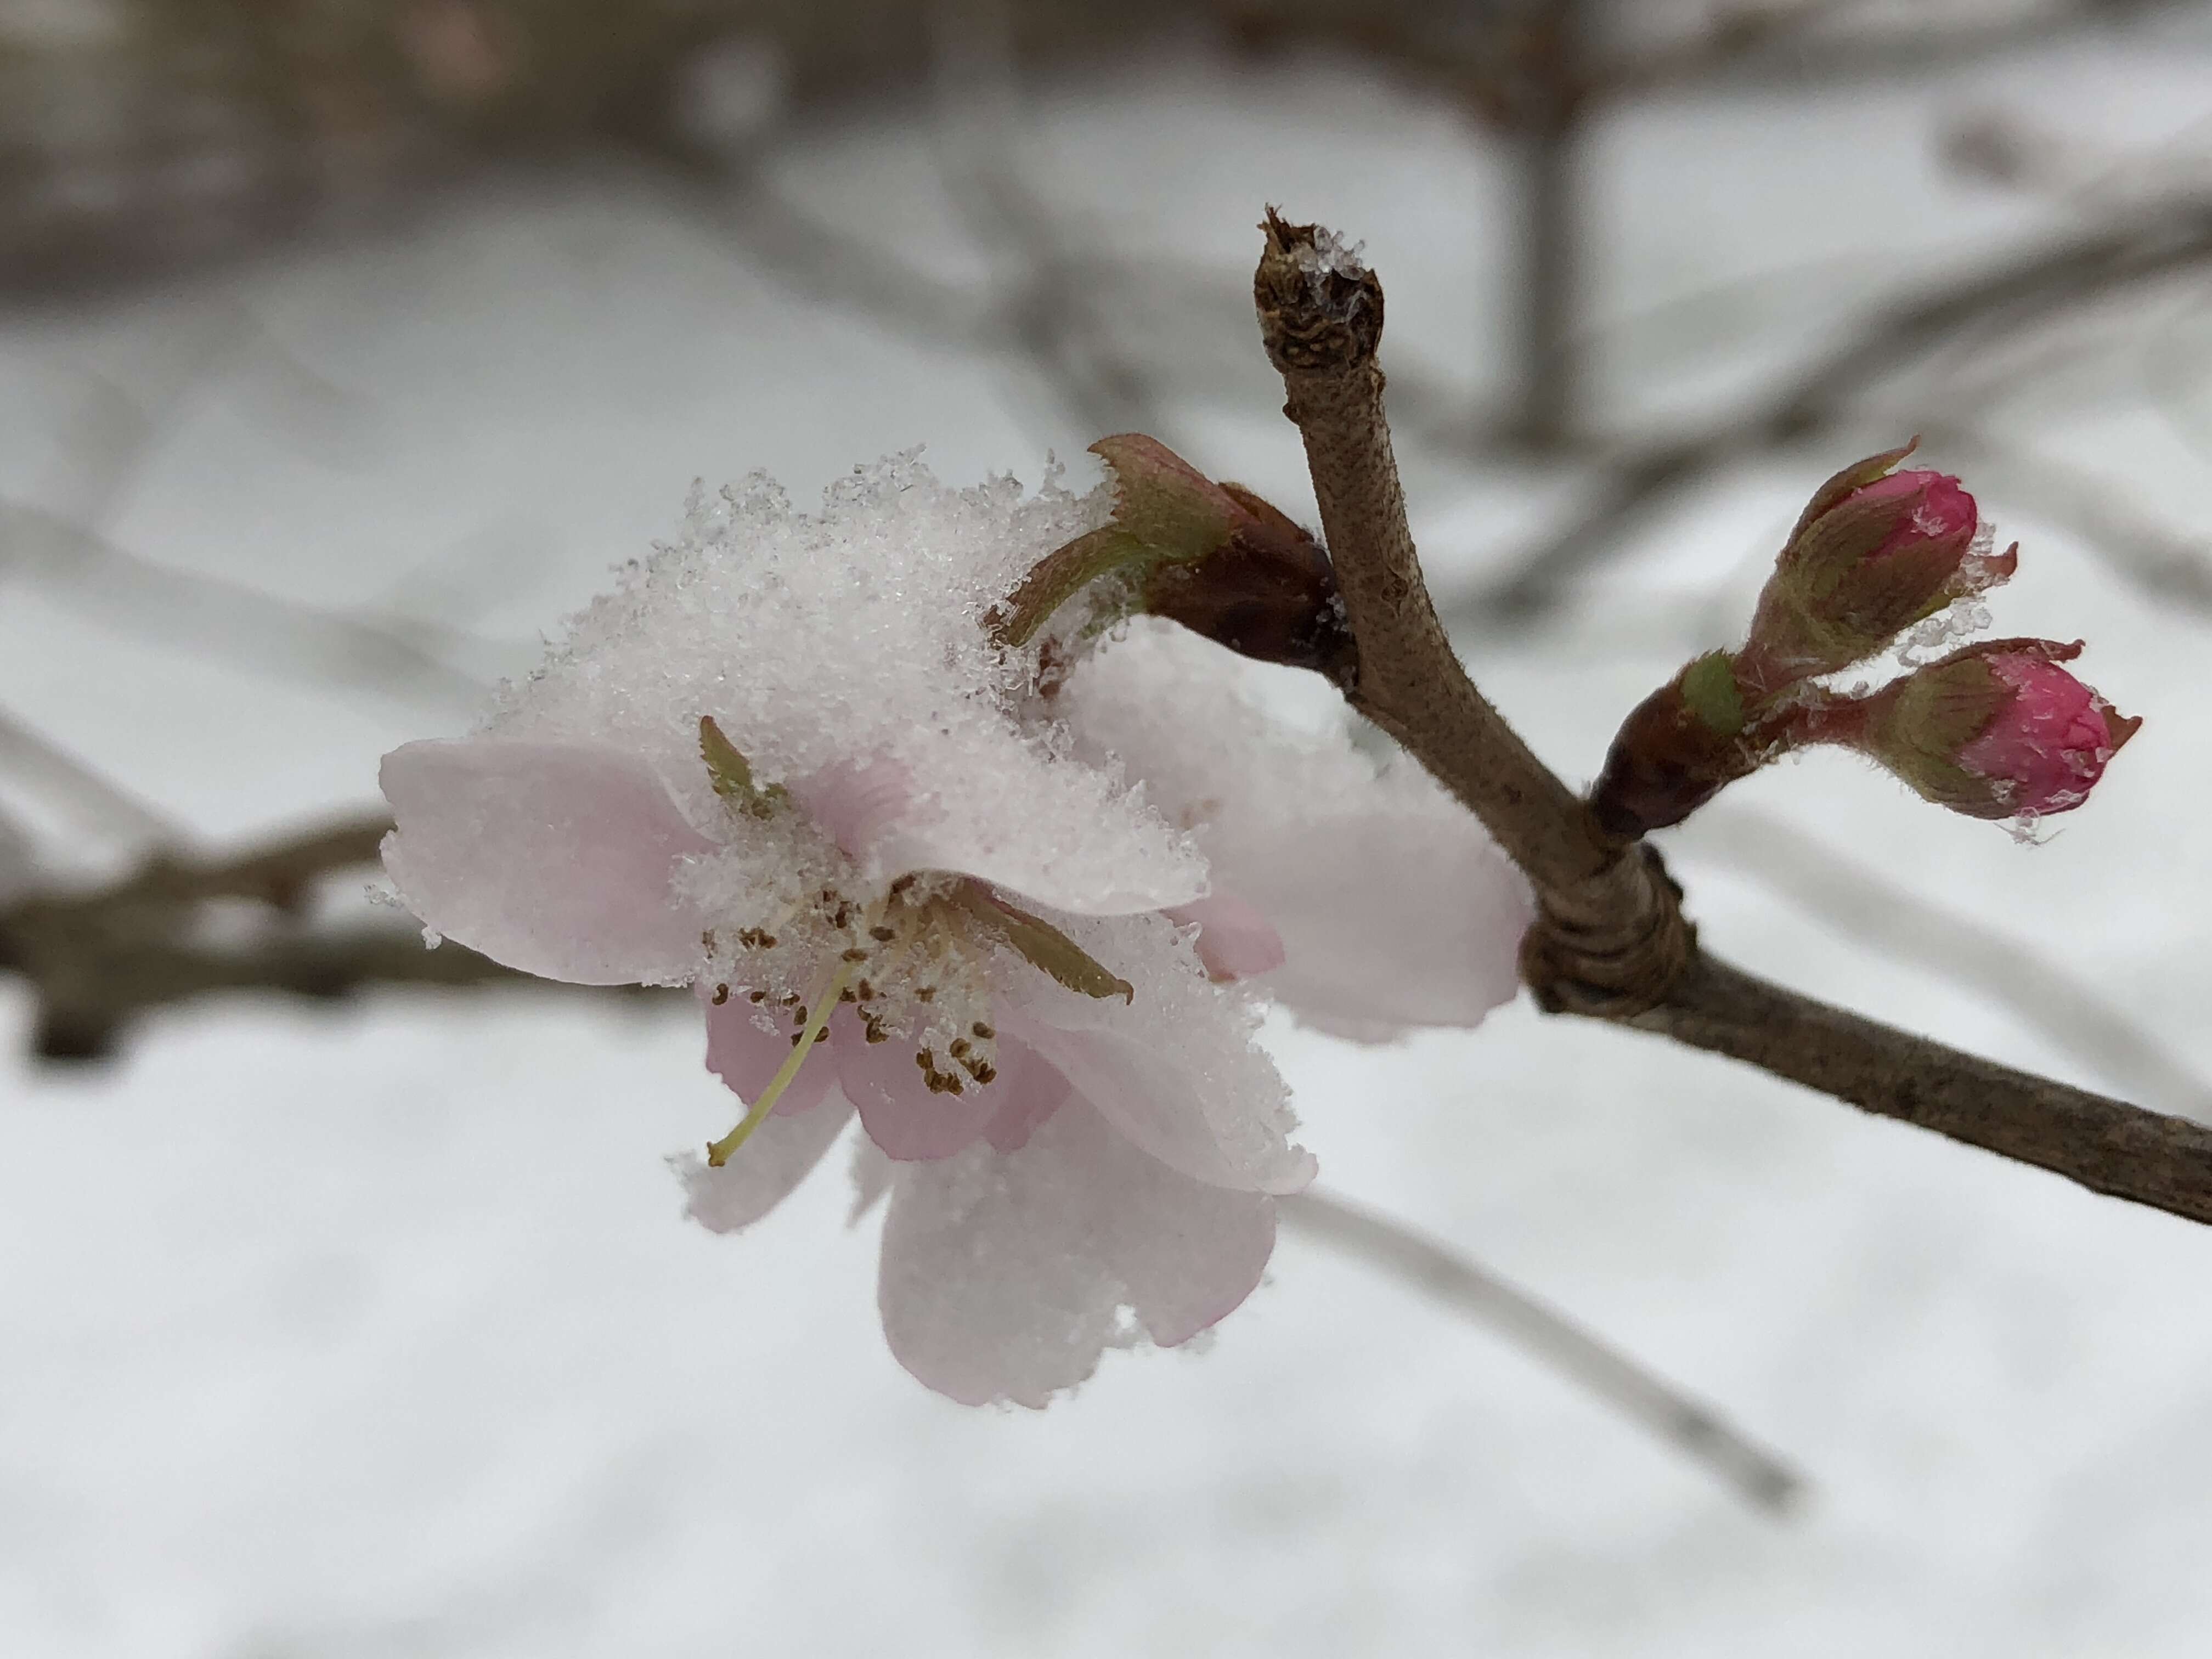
<point>1613,948</point>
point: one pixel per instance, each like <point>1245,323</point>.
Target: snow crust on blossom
<point>1395,907</point>
<point>853,638</point>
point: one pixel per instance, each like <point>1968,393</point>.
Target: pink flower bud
<point>2048,745</point>
<point>1875,552</point>
<point>1996,730</point>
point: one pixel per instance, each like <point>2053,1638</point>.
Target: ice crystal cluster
<point>922,878</point>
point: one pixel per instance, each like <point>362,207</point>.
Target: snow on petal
<point>1005,1276</point>
<point>1236,940</point>
<point>554,857</point>
<point>775,1159</point>
<point>850,643</point>
<point>1393,906</point>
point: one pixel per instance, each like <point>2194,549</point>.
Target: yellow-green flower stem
<point>820,1005</point>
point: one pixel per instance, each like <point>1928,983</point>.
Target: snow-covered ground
<point>376,1333</point>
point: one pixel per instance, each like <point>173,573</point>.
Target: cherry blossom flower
<point>784,763</point>
<point>910,879</point>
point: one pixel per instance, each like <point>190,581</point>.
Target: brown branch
<point>1861,903</point>
<point>98,960</point>
<point>2106,1145</point>
<point>1697,1431</point>
<point>1617,931</point>
<point>1602,944</point>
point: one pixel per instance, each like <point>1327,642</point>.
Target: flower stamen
<point>823,1003</point>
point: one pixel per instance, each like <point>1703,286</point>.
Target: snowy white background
<point>347,1334</point>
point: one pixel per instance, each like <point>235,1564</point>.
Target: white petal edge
<point>1166,1110</point>
<point>762,1173</point>
<point>1005,1276</point>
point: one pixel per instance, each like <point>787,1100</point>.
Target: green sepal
<point>1710,694</point>
<point>1165,513</point>
<point>1040,943</point>
<point>732,774</point>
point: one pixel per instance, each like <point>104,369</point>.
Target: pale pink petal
<point>1164,1107</point>
<point>745,1058</point>
<point>1031,1088</point>
<point>1393,906</point>
<point>1388,919</point>
<point>1235,940</point>
<point>871,1178</point>
<point>552,858</point>
<point>1005,1275</point>
<point>896,1108</point>
<point>761,1173</point>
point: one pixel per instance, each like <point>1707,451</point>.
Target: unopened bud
<point>1213,556</point>
<point>1997,730</point>
<point>1677,749</point>
<point>1877,551</point>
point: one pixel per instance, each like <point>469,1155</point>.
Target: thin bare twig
<point>2177,236</point>
<point>2166,565</point>
<point>1696,1431</point>
<point>1764,45</point>
<point>89,793</point>
<point>1602,944</point>
<point>97,961</point>
<point>1047,314</point>
<point>226,619</point>
<point>1862,904</point>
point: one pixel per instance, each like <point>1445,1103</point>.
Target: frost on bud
<point>1875,551</point>
<point>1996,730</point>
<point>1214,557</point>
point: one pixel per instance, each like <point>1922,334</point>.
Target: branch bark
<point>98,960</point>
<point>1608,940</point>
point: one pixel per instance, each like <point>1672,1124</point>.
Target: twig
<point>1603,944</point>
<point>1321,317</point>
<point>2104,1145</point>
<point>1696,1431</point>
<point>97,961</point>
<point>1785,46</point>
<point>1551,128</point>
<point>94,795</point>
<point>240,624</point>
<point>1860,903</point>
<point>2166,564</point>
<point>2177,236</point>
<point>810,257</point>
<point>1048,316</point>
